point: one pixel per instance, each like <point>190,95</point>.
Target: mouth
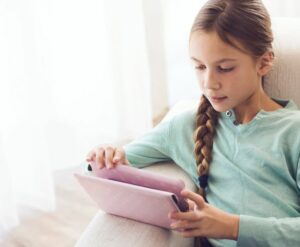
<point>218,99</point>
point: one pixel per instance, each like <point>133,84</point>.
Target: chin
<point>220,105</point>
<point>220,108</point>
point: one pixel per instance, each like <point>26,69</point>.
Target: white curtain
<point>73,74</point>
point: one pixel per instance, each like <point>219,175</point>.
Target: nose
<point>210,81</point>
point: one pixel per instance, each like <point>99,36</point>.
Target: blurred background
<point>76,74</point>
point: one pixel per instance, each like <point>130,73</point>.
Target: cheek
<point>200,80</point>
<point>239,79</point>
<point>243,84</point>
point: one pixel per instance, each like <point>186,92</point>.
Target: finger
<point>91,156</point>
<point>191,204</point>
<point>100,157</point>
<point>119,155</point>
<point>194,197</point>
<point>185,225</point>
<point>109,153</point>
<point>190,216</point>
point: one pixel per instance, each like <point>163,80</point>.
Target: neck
<point>256,102</point>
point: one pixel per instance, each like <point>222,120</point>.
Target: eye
<point>224,70</point>
<point>200,67</point>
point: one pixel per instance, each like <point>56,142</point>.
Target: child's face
<point>228,77</point>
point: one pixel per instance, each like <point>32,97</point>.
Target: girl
<point>241,147</point>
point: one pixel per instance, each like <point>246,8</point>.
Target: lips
<point>217,99</point>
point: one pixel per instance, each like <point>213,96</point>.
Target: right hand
<point>107,156</point>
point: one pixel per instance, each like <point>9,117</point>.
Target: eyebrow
<point>218,61</point>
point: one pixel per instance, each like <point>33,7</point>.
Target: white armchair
<point>283,82</point>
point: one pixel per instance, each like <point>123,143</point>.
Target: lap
<point>110,231</point>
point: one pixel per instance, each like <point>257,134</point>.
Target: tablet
<point>135,193</point>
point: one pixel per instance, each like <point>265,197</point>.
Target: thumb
<point>196,198</point>
<point>191,204</point>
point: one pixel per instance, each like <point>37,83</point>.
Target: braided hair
<point>206,122</point>
<point>246,21</point>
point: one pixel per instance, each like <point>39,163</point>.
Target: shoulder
<point>186,118</point>
<point>290,113</point>
<point>289,117</point>
<point>175,123</point>
<point>286,117</point>
<point>285,128</point>
<point>180,124</point>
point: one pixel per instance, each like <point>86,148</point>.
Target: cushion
<point>284,79</point>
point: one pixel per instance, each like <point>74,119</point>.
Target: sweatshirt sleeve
<point>150,148</point>
<point>264,232</point>
<point>268,232</point>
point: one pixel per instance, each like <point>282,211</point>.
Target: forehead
<point>208,47</point>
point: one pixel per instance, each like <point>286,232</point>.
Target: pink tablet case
<point>136,194</point>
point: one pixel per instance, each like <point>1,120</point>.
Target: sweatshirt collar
<point>230,114</point>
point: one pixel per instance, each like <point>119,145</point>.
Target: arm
<point>208,221</point>
<point>275,232</point>
<point>256,231</point>
<point>149,148</point>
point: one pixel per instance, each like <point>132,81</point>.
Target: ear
<point>265,63</point>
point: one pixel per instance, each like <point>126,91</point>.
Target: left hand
<point>204,220</point>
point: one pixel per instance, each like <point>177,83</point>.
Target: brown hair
<point>245,21</point>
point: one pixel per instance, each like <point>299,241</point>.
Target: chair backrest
<point>284,79</point>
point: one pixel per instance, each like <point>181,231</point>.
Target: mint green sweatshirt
<point>254,172</point>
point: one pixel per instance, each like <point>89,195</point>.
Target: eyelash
<point>220,69</point>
